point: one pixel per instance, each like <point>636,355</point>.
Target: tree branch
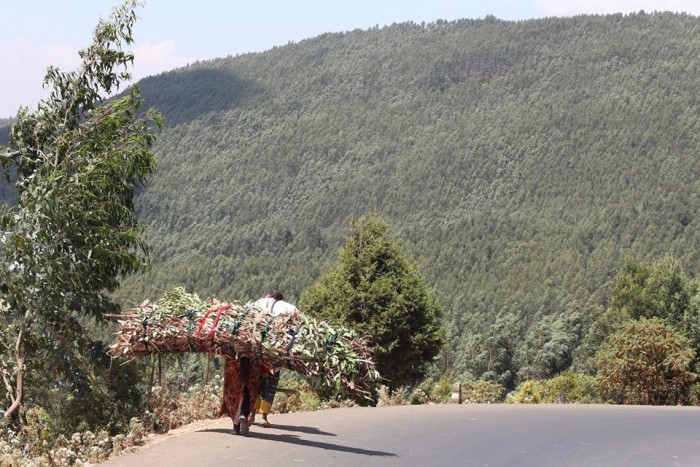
<point>19,359</point>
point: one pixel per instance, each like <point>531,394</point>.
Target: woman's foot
<point>264,422</point>
<point>243,425</point>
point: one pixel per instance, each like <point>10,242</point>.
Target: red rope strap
<point>216,322</point>
<point>200,325</point>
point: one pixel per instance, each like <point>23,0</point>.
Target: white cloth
<point>274,307</point>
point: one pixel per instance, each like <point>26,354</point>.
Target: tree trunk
<point>19,359</point>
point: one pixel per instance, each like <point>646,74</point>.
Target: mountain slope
<point>518,162</point>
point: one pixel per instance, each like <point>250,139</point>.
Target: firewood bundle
<point>327,356</point>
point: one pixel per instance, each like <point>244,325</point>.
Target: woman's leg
<point>269,397</point>
<point>243,408</point>
<point>233,391</point>
<point>241,388</point>
<point>253,390</point>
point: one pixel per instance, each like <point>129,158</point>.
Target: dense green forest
<point>518,162</point>
<point>5,123</point>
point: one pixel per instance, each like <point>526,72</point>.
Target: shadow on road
<point>301,429</point>
<point>294,439</point>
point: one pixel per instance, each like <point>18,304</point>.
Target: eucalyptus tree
<point>72,235</point>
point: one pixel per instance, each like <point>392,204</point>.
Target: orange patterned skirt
<point>240,375</point>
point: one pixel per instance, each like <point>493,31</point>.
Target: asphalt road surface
<point>441,435</point>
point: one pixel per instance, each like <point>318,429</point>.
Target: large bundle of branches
<point>327,356</point>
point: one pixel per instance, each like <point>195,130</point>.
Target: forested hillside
<point>519,163</point>
<point>5,124</point>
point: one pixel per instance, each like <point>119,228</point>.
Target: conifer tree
<point>377,289</point>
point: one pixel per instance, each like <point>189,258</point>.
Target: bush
<point>171,408</point>
<point>33,448</point>
<point>529,392</point>
<point>40,444</point>
<point>440,392</point>
<point>567,387</point>
<point>570,387</point>
<point>385,396</point>
<point>431,391</point>
<point>694,394</point>
<point>646,362</point>
<point>482,392</point>
<point>305,400</point>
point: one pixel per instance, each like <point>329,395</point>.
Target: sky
<point>35,34</point>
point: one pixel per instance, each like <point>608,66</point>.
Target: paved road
<point>443,435</point>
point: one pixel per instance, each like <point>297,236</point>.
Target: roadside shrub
<point>38,445</point>
<point>385,396</point>
<point>646,362</point>
<point>567,387</point>
<point>427,392</point>
<point>529,392</point>
<point>570,387</point>
<point>419,397</point>
<point>30,450</point>
<point>431,391</point>
<point>306,400</point>
<point>694,394</point>
<point>482,392</point>
<point>36,435</point>
<point>171,408</point>
<point>441,391</point>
